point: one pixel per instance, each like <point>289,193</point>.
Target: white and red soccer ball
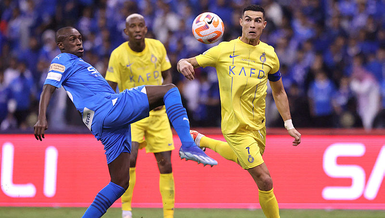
<point>208,27</point>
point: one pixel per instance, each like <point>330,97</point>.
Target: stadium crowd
<point>332,55</point>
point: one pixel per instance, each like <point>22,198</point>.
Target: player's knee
<point>122,181</point>
<point>165,167</point>
<point>170,86</point>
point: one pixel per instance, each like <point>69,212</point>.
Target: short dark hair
<point>254,8</point>
<point>61,34</point>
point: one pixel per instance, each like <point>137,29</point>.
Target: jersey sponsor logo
<point>57,67</point>
<point>54,76</point>
<point>143,78</point>
<point>88,116</point>
<point>233,70</point>
<point>93,71</point>
<point>233,56</point>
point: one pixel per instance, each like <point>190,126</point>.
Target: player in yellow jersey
<point>243,66</point>
<point>144,61</point>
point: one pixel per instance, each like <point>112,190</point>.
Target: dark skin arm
<point>42,124</point>
<point>167,79</point>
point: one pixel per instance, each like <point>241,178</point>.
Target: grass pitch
<point>34,212</point>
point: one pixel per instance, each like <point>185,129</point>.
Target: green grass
<point>34,212</point>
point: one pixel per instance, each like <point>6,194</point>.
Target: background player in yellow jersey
<point>243,66</point>
<point>144,61</point>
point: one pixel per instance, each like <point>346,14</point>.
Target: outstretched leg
<point>169,96</point>
<point>221,147</point>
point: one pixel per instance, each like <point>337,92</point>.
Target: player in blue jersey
<point>108,115</point>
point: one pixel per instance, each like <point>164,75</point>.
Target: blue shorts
<point>131,106</point>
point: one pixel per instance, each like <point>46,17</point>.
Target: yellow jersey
<point>131,69</point>
<point>243,71</point>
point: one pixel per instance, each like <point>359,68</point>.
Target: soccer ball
<point>208,27</point>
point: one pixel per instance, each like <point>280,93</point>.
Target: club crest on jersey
<point>262,58</point>
<point>154,59</point>
<point>110,69</point>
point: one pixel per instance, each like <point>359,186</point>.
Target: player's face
<point>252,24</point>
<point>73,43</point>
<point>136,29</point>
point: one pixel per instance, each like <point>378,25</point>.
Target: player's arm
<point>42,124</point>
<point>113,69</point>
<point>112,84</point>
<point>187,66</point>
<point>282,104</point>
<point>167,78</point>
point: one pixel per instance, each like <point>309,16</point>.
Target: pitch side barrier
<point>330,169</point>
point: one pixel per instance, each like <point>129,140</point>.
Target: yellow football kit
<point>243,71</point>
<point>131,69</point>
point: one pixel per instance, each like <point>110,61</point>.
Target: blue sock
<point>178,116</point>
<point>103,200</point>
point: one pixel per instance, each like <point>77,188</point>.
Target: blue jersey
<point>85,86</point>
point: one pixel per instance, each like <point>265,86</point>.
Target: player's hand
<point>296,135</point>
<point>158,108</point>
<point>39,128</point>
<point>185,68</point>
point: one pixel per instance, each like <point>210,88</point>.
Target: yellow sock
<point>269,204</point>
<point>127,196</point>
<point>221,147</point>
<point>167,190</point>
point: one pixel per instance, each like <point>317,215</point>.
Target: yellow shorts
<point>154,133</point>
<point>248,147</point>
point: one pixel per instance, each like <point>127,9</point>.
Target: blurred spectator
<point>273,12</point>
<point>376,64</point>
<point>208,112</point>
<point>367,91</point>
<point>379,120</point>
<point>31,57</point>
<point>320,94</point>
<point>49,50</point>
<point>4,97</point>
<point>165,22</point>
<point>299,107</point>
<point>11,72</point>
<point>309,36</point>
<point>23,92</point>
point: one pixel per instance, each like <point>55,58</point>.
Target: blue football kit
<point>104,112</point>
